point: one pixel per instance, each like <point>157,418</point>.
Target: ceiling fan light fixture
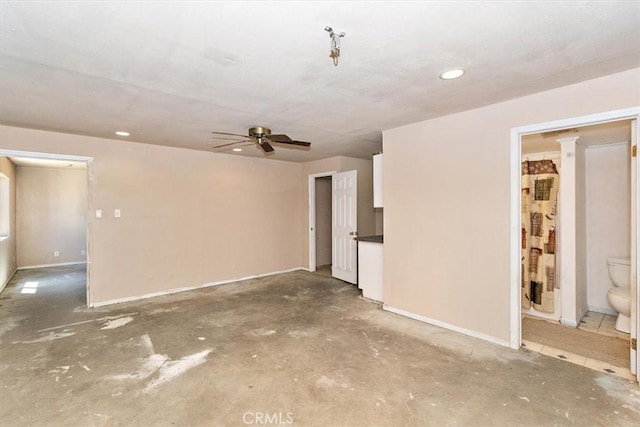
<point>122,133</point>
<point>261,135</point>
<point>452,74</point>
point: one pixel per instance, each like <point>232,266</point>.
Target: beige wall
<point>447,203</point>
<point>8,257</point>
<point>51,215</point>
<point>608,217</point>
<point>323,221</point>
<point>188,217</point>
<point>366,214</point>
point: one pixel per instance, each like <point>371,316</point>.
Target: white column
<point>567,230</point>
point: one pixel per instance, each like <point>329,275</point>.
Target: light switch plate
<point>116,213</point>
<point>98,213</point>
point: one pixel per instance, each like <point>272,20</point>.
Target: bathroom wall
<point>608,175</point>
<point>581,232</point>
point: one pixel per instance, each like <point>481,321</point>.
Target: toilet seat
<point>621,292</point>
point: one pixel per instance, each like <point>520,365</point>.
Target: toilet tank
<point>620,271</point>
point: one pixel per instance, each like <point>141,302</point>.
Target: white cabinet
<point>370,269</point>
<point>377,180</point>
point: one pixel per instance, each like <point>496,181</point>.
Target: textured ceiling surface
<point>172,72</point>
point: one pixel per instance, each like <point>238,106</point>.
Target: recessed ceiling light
<point>452,74</point>
<point>122,133</point>
<point>237,149</point>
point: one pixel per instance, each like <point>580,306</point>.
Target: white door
<point>635,258</point>
<point>344,265</point>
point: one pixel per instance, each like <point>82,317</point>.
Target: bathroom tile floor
<point>598,323</point>
<point>602,324</point>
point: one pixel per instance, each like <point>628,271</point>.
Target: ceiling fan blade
<point>231,143</point>
<point>266,147</point>
<point>229,138</point>
<point>231,134</point>
<point>300,143</point>
<point>279,138</point>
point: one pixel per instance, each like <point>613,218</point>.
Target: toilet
<point>620,295</point>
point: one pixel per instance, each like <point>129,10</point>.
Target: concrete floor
<point>297,348</point>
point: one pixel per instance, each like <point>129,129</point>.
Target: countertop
<point>373,239</point>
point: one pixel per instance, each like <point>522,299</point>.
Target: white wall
<point>51,215</point>
<point>608,170</point>
<point>447,204</point>
<point>581,232</point>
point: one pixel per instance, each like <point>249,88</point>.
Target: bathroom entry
<point>600,201</point>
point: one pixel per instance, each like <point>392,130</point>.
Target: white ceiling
<point>172,72</point>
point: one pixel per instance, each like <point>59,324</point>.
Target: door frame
<point>70,158</point>
<point>312,216</point>
<point>515,339</point>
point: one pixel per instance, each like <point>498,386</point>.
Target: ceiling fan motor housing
<point>259,132</point>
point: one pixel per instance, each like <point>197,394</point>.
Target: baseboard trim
<point>61,264</point>
<point>449,326</point>
<point>4,285</point>
<point>188,288</point>
<point>603,310</point>
<point>569,322</point>
<point>575,323</point>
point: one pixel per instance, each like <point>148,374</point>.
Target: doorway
<point>601,224</point>
<point>318,183</point>
<point>569,274</point>
<point>52,222</point>
<point>323,225</point>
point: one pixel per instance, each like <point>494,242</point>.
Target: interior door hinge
<point>634,151</point>
<point>634,343</point>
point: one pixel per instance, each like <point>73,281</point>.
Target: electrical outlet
<point>98,213</point>
<point>56,253</point>
<point>83,252</point>
<point>116,213</point>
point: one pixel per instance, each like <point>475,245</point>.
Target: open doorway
<point>562,308</point>
<point>602,187</point>
<point>50,211</point>
<point>320,222</point>
<point>323,225</point>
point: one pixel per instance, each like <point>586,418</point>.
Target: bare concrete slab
<point>297,348</point>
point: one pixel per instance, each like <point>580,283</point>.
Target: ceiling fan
<point>259,135</point>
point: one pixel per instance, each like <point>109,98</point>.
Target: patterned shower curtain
<point>540,181</point>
